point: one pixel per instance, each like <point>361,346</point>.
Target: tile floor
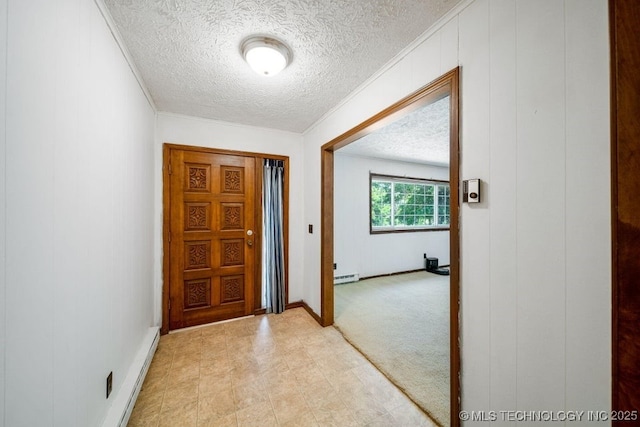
<point>271,370</point>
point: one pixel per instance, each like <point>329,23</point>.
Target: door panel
<point>212,256</point>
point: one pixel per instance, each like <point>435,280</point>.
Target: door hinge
<point>169,236</point>
<point>170,171</point>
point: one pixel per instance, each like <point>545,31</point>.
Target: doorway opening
<point>443,87</point>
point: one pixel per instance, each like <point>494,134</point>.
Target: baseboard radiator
<point>346,278</point>
<point>125,400</point>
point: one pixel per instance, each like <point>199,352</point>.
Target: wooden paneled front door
<point>211,236</point>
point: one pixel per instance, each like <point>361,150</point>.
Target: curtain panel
<point>273,277</point>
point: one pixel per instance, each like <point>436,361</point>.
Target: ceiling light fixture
<point>267,56</point>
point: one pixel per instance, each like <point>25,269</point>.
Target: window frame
<point>406,229</point>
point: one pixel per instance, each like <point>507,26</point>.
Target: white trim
<point>346,278</point>
<point>125,51</point>
<point>123,402</point>
<point>395,60</point>
<point>418,181</point>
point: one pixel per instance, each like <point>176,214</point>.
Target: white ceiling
<point>421,136</point>
<point>189,57</point>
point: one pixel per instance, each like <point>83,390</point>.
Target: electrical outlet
<point>310,228</point>
<point>335,266</point>
<point>425,256</point>
<point>109,383</point>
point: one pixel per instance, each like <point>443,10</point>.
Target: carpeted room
<point>400,322</point>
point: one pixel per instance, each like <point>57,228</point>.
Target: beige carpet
<point>401,323</point>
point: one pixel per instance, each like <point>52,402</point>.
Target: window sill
<point>406,230</point>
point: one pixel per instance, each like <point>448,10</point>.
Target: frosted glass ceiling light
<point>267,56</point>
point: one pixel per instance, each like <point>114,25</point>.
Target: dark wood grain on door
<point>625,175</point>
<point>212,251</point>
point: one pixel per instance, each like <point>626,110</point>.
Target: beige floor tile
<point>258,415</point>
<point>180,395</point>
<point>183,373</point>
<point>249,394</point>
<point>154,386</point>
<point>214,384</point>
<point>213,349</point>
<point>289,405</point>
<point>224,421</point>
<point>304,420</point>
<point>216,329</point>
<point>216,406</point>
<point>273,370</point>
<point>249,374</point>
<point>281,382</point>
<point>365,407</point>
<point>335,416</point>
<point>216,366</point>
<point>272,363</point>
<point>144,420</point>
<point>317,390</point>
<point>146,413</point>
<point>149,398</point>
<point>409,415</point>
<point>185,415</point>
<point>344,381</point>
<point>310,373</point>
<point>299,358</point>
<point>385,420</point>
<point>185,358</point>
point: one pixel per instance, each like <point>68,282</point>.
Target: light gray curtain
<point>273,237</point>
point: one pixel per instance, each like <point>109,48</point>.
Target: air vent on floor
<point>346,278</point>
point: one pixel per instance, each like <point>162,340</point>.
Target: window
<point>403,204</point>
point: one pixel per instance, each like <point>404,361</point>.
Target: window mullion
<point>393,204</point>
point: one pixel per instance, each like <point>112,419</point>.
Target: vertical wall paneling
<point>533,127</point>
<point>312,242</point>
<point>541,252</point>
<point>448,46</point>
<point>64,73</point>
<point>588,266</point>
<point>504,195</point>
<point>475,224</point>
<point>29,333</point>
<point>79,163</point>
<point>3,193</point>
<point>425,62</point>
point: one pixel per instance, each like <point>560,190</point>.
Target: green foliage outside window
<point>409,204</point>
<point>381,204</point>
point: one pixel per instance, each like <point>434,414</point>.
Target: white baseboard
<point>120,411</point>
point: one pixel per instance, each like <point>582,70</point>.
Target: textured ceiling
<point>421,136</point>
<point>188,52</point>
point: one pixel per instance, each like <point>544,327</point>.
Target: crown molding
<point>104,11</point>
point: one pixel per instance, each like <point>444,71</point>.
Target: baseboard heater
<point>346,278</point>
<point>122,406</point>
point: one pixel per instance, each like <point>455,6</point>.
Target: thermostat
<point>471,191</point>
